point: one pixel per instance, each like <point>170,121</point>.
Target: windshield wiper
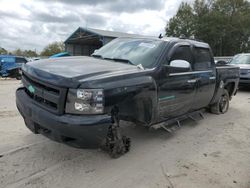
<point>97,56</point>
<point>121,60</point>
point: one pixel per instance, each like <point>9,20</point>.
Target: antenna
<point>160,36</point>
<point>86,23</point>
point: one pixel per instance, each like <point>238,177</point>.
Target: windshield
<point>142,52</point>
<point>241,59</point>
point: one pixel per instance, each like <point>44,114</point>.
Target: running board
<point>171,125</point>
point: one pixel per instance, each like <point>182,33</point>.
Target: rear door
<point>205,72</point>
<point>176,89</point>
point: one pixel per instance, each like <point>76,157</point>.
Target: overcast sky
<point>28,24</point>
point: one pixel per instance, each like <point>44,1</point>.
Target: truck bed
<point>226,74</point>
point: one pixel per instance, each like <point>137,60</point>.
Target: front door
<point>176,89</point>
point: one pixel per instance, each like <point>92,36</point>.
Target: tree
<point>224,24</point>
<point>18,52</point>
<point>182,23</point>
<point>3,51</point>
<point>26,53</point>
<point>53,48</point>
<point>236,23</point>
<point>30,53</point>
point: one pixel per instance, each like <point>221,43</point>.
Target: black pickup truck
<point>143,80</point>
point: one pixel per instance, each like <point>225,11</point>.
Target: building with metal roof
<point>84,41</point>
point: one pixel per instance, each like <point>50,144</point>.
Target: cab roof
<point>188,41</point>
<point>173,40</point>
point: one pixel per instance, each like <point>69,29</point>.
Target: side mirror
<point>180,64</point>
<point>221,62</point>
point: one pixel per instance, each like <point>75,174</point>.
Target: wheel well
<point>139,111</point>
<point>230,88</point>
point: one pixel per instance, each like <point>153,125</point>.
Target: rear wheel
<point>222,105</point>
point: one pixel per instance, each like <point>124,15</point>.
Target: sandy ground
<point>214,152</point>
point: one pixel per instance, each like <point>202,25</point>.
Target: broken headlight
<point>85,101</point>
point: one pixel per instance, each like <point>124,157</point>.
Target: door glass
<point>182,53</point>
<point>8,60</point>
<point>202,59</point>
<point>20,60</point>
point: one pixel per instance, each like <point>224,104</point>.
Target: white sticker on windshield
<point>147,45</point>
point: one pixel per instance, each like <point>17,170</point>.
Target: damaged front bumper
<point>91,130</point>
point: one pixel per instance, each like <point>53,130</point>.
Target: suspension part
<point>116,143</point>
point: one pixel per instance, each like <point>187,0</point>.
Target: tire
<point>19,74</point>
<point>222,105</point>
<point>18,77</point>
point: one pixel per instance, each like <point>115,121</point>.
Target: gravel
<point>213,152</point>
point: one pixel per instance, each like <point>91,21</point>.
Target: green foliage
<point>53,48</point>
<point>3,51</point>
<point>25,53</point>
<point>30,53</point>
<point>18,52</point>
<point>224,24</point>
<point>182,23</point>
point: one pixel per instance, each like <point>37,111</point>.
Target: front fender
<point>12,68</point>
<point>136,99</point>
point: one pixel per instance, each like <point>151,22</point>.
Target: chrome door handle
<point>192,81</point>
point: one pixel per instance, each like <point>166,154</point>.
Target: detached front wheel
<point>222,105</point>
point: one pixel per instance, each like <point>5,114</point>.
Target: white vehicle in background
<point>243,61</point>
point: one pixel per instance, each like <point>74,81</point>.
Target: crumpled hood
<point>75,69</point>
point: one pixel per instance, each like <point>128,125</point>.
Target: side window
<point>8,60</point>
<point>202,59</point>
<point>182,53</point>
<point>20,60</point>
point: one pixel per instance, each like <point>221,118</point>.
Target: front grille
<point>46,95</point>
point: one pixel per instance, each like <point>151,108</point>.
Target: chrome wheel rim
<point>223,104</point>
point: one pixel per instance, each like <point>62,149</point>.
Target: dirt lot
<point>215,152</point>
